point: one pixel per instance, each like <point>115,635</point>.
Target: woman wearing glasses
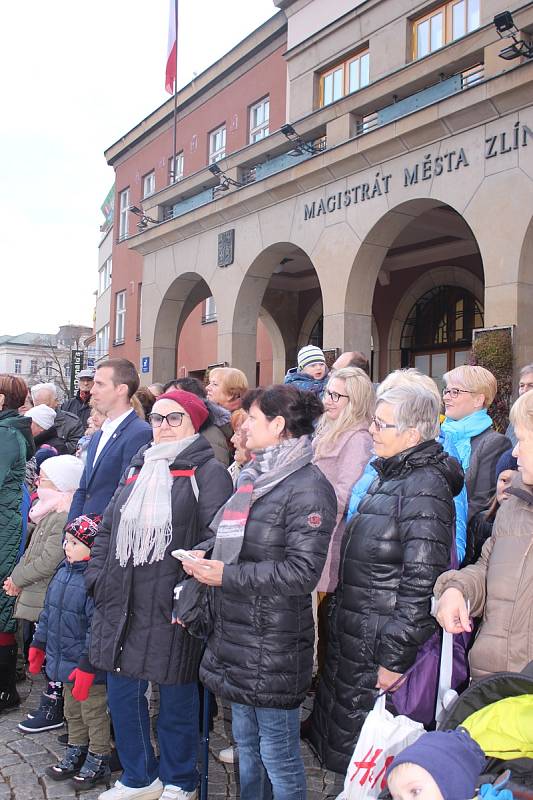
<point>341,449</point>
<point>165,501</point>
<point>468,393</point>
<point>393,551</point>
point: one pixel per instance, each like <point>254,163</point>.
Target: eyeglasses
<point>379,425</point>
<point>454,393</point>
<point>174,419</point>
<point>335,396</point>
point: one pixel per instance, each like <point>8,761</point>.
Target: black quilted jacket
<point>393,551</point>
<point>131,631</point>
<point>261,650</point>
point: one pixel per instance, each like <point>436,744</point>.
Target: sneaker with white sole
<point>121,792</point>
<point>175,793</point>
<point>229,755</point>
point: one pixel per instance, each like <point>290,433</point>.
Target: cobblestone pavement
<point>24,758</point>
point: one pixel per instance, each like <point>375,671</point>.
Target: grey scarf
<point>145,528</point>
<point>267,468</point>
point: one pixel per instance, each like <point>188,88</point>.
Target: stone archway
<point>276,281</point>
<point>162,328</point>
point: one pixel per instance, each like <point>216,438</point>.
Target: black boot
<point>95,770</point>
<point>70,763</point>
<point>48,716</point>
<point>9,697</point>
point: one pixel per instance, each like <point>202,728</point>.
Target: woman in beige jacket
<point>499,586</point>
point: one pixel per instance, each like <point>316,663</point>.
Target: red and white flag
<point>170,74</point>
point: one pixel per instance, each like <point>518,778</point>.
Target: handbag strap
<point>407,672</point>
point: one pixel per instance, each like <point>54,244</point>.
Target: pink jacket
<point>343,465</point>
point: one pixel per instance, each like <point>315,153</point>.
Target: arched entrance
<point>281,286</point>
<point>437,333</point>
<point>428,287</point>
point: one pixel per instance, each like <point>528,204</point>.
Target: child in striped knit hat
<point>311,374</point>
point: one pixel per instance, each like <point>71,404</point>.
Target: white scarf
<point>145,529</point>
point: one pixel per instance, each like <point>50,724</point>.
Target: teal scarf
<point>462,431</point>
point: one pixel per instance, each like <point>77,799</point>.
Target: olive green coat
<point>37,566</point>
<point>16,447</point>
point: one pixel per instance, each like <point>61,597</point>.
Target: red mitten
<point>82,683</point>
<point>36,658</point>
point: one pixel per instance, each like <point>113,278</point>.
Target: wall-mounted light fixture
<point>507,29</point>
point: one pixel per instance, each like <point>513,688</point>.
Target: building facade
<point>393,215</point>
<point>43,357</point>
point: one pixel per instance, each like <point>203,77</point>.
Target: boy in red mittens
<point>62,635</point>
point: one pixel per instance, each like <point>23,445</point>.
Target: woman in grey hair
<point>394,549</point>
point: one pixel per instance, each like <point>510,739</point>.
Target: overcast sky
<point>75,77</point>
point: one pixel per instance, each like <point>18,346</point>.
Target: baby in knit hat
<point>441,765</point>
<point>311,374</point>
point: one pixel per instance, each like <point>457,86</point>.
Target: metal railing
<point>425,97</point>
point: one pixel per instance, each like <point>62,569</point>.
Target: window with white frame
<point>149,184</point>
<point>102,342</point>
<point>66,369</point>
<point>217,144</point>
<point>104,276</point>
<point>259,120</point>
<point>444,24</point>
<point>124,211</point>
<point>210,311</point>
<point>18,366</point>
<point>48,369</point>
<point>179,168</point>
<point>33,366</point>
<point>120,317</point>
<point>349,76</point>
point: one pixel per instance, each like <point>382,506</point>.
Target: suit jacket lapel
<point>109,444</point>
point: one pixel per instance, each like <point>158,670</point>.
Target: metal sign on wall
<point>76,366</point>
<point>226,248</point>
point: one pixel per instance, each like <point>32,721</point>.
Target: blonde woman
<point>468,393</point>
<point>342,448</point>
<point>498,585</point>
<point>226,388</point>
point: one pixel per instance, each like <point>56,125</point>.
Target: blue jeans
<point>270,761</point>
<point>177,732</point>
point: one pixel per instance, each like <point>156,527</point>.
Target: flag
<point>170,74</point>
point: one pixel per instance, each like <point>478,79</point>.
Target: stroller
<point>481,694</point>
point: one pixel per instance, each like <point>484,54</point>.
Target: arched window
<point>437,334</point>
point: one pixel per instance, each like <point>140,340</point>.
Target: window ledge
<point>118,342</point>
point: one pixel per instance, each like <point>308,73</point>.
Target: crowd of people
<point>257,542</point>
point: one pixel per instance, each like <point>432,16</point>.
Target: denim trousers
<point>270,762</point>
<point>177,732</point>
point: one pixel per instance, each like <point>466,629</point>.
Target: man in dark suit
<point>121,436</point>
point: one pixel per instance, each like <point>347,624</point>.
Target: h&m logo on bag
<point>367,767</point>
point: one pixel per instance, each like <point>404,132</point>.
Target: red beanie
<point>193,405</point>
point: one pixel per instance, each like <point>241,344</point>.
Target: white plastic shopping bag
<point>382,737</point>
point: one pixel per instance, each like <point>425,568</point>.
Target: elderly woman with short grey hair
<point>393,551</point>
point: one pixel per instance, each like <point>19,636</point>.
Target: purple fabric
<point>417,695</point>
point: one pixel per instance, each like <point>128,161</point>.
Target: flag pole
<point>174,138</point>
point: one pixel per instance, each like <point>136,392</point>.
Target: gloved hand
<point>82,683</point>
<point>36,658</point>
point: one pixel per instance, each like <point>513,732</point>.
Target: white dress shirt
<point>108,429</point>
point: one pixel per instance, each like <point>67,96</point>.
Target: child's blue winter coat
<point>305,383</point>
<point>64,625</point>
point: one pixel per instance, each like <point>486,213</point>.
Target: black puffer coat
<point>261,650</point>
<point>392,553</point>
<point>132,631</point>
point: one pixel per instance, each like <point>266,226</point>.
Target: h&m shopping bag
<point>382,737</point>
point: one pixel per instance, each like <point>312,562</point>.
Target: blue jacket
<point>64,625</point>
<point>305,383</point>
<point>98,484</point>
